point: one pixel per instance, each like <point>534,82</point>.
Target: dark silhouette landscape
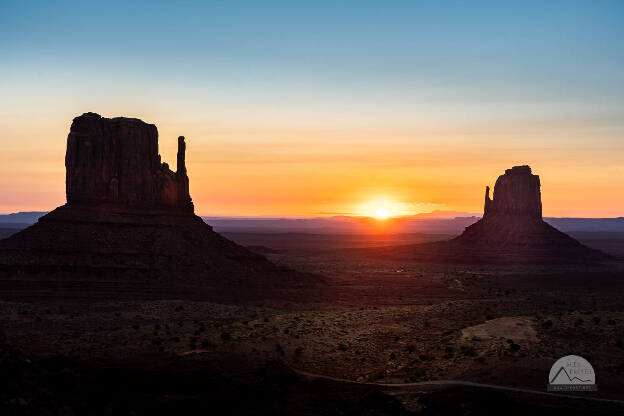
<point>334,208</point>
<point>123,301</point>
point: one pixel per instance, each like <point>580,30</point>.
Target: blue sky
<point>564,51</point>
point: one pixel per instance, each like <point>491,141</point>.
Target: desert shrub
<point>392,356</point>
<point>427,324</point>
<point>547,324</point>
<point>225,336</point>
<point>298,351</point>
<point>514,347</point>
<point>579,322</point>
<point>410,348</point>
<point>596,320</point>
<point>611,321</point>
<point>619,343</point>
<point>342,347</point>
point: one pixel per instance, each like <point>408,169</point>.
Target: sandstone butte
<point>128,229</point>
<point>511,230</point>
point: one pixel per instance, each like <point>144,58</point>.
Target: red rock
<point>511,231</point>
<point>516,193</point>
<point>128,230</point>
<point>116,161</point>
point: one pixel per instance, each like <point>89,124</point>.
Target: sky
<point>326,107</point>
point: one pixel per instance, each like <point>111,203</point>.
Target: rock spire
<point>116,161</point>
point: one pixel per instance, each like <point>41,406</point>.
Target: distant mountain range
<point>24,217</point>
<point>437,222</point>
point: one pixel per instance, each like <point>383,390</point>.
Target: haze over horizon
<point>325,109</point>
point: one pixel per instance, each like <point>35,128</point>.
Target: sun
<point>381,213</point>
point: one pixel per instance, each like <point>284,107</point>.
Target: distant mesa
<point>513,217</point>
<point>511,230</point>
<point>129,229</point>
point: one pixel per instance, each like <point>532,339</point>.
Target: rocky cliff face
<point>116,161</point>
<point>128,230</point>
<point>516,193</point>
<point>511,231</point>
<point>512,228</point>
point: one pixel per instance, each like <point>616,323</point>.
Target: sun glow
<point>382,208</point>
<point>381,213</point>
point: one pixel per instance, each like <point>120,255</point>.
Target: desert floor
<point>381,322</point>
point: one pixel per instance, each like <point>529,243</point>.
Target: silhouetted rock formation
<point>513,218</point>
<point>516,193</point>
<point>116,161</point>
<point>511,231</point>
<point>128,228</point>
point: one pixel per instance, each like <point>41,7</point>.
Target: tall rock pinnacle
<point>116,161</point>
<point>517,192</point>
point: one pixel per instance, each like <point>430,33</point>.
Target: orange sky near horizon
<point>333,168</point>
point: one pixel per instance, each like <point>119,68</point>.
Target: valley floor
<point>381,322</point>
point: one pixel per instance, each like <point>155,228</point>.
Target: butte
<point>129,230</point>
<point>511,230</point>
